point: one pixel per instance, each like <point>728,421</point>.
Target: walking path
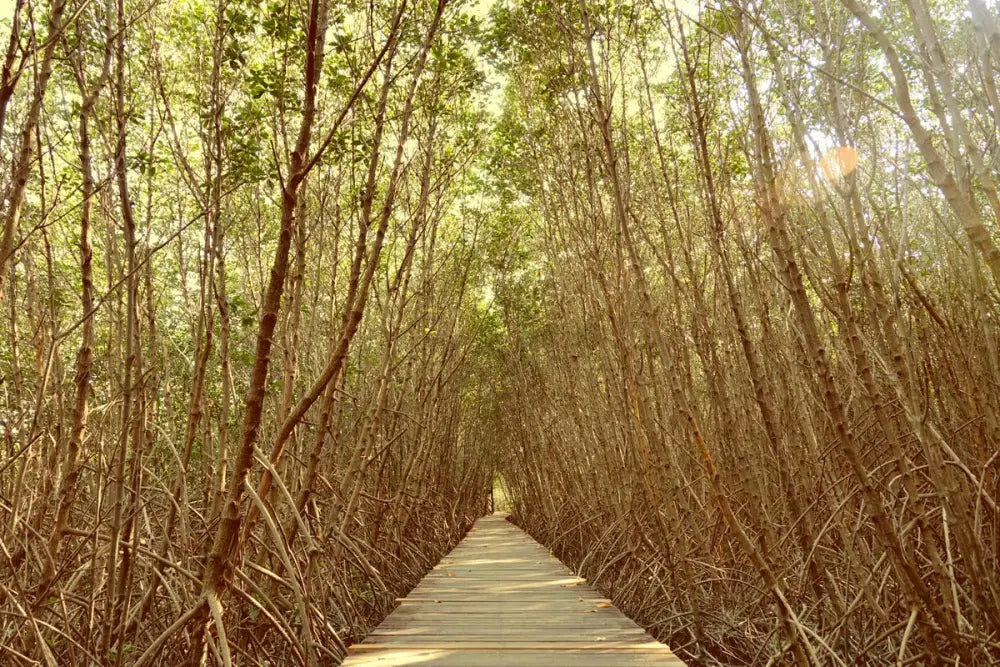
<point>500,598</point>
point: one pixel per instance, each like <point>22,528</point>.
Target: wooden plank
<point>526,587</point>
<point>481,658</point>
<point>499,598</point>
<point>434,644</point>
<point>497,622</point>
<point>571,605</point>
<point>456,627</point>
<point>531,575</point>
<point>423,636</point>
<point>522,633</point>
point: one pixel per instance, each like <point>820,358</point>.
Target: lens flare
<point>838,162</point>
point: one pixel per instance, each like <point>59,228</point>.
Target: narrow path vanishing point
<point>500,598</point>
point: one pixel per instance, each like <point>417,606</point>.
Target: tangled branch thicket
<point>756,398</point>
<point>711,288</point>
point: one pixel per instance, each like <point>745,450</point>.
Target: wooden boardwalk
<point>500,598</point>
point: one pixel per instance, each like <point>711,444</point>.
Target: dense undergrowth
<point>241,322</point>
<point>712,287</point>
<point>751,383</point>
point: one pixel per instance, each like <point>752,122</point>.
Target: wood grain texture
<point>500,598</point>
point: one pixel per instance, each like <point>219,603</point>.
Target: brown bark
<point>21,164</point>
<point>70,469</point>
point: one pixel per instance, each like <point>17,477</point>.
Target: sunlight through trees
<point>704,294</point>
